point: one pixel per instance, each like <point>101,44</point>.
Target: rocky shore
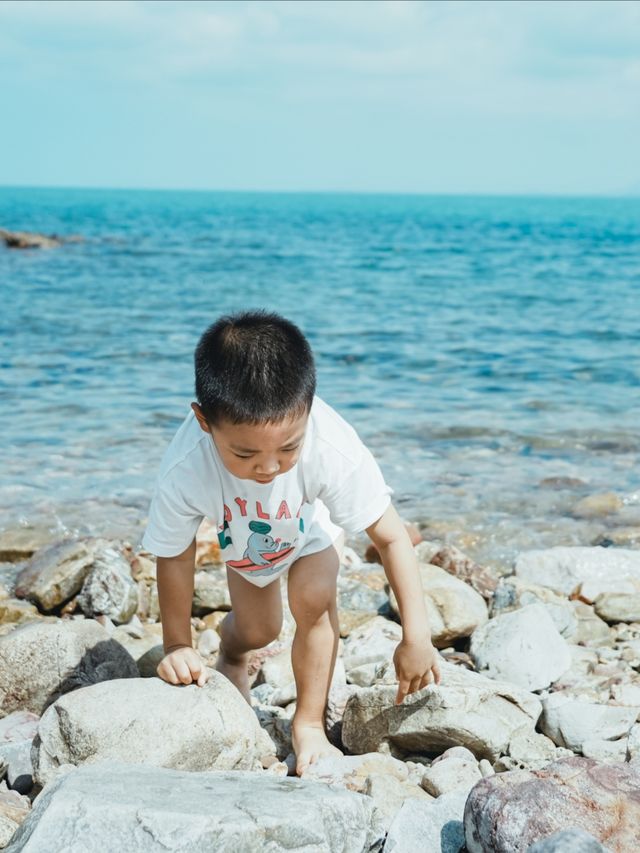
<point>530,743</point>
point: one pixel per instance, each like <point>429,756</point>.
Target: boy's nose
<point>268,469</point>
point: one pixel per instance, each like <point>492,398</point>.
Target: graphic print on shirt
<point>263,553</point>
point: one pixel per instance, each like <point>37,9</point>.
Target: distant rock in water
<point>28,240</point>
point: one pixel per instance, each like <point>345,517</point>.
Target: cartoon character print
<point>264,554</point>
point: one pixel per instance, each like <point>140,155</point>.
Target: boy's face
<point>257,452</point>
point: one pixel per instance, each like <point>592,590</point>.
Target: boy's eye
<point>240,456</point>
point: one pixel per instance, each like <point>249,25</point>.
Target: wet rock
<point>14,610</point>
<point>155,810</point>
<point>109,588</point>
<point>596,506</point>
<point>135,720</point>
<point>454,609</point>
<point>568,841</point>
<point>20,543</point>
<point>466,709</point>
<point>511,811</point>
<point>618,607</point>
<point>429,826</point>
<point>32,240</point>
<point>43,660</point>
<point>569,722</point>
<point>522,647</point>
<point>56,573</point>
<point>589,571</point>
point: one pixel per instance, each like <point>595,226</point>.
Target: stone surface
<point>568,841</point>
<point>55,573</point>
<point>589,571</point>
<point>530,751</point>
<point>569,722</point>
<point>454,609</point>
<point>127,807</point>
<point>15,610</point>
<point>210,592</point>
<point>450,775</point>
<point>523,647</point>
<point>148,721</point>
<point>367,647</point>
<point>618,607</point>
<point>109,588</point>
<point>20,543</point>
<point>454,561</point>
<point>432,827</point>
<point>597,506</point>
<point>19,768</point>
<point>20,725</point>
<point>389,794</point>
<point>42,660</point>
<point>511,811</point>
<point>466,709</point>
<point>29,240</point>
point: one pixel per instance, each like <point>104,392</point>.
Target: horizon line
<point>620,194</point>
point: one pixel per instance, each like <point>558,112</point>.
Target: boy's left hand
<point>416,664</point>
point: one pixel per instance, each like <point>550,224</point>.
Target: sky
<point>398,96</point>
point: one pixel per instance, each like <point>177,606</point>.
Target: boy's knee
<point>259,636</point>
<point>310,605</point>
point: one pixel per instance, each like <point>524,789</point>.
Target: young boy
<point>282,475</point>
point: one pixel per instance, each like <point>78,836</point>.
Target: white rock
<point>372,643</point>
<point>570,722</point>
<point>434,827</point>
<point>522,647</point>
<point>451,774</point>
<point>109,588</point>
<point>591,570</point>
<point>208,642</point>
<point>454,609</point>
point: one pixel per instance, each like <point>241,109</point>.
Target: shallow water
<point>479,346</point>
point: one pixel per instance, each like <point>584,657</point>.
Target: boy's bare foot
<point>309,744</point>
<point>236,671</point>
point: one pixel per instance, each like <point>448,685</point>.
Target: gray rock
<point>56,573</point>
<point>210,592</point>
<point>590,570</point>
<point>148,721</point>
<point>42,660</point>
<point>568,841</point>
<point>466,709</point>
<point>434,827</point>
<point>367,646</point>
<point>17,756</point>
<point>155,810</point>
<point>523,647</point>
<point>109,588</point>
<point>450,775</point>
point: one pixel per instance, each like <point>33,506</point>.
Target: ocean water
<point>486,349</point>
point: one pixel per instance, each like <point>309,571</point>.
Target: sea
<point>486,349</point>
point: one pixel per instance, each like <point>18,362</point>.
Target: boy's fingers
<point>182,672</point>
<point>403,689</point>
<point>415,684</point>
<point>436,671</point>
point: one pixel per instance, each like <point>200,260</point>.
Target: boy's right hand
<point>183,665</point>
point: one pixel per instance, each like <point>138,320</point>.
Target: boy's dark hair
<point>254,367</point>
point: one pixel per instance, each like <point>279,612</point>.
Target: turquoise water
<point>479,345</point>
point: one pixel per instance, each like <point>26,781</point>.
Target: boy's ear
<point>201,418</point>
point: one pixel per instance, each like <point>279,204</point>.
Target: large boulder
<point>42,660</point>
<point>454,609</point>
<point>523,647</point>
<point>589,571</point>
<point>466,709</point>
<point>148,721</point>
<point>429,826</point>
<point>56,573</point>
<point>155,810</point>
<point>509,812</point>
<point>618,607</point>
<point>571,722</point>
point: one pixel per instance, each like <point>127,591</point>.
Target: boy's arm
<point>415,657</point>
<point>175,597</point>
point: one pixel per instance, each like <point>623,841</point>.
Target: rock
<point>20,543</point>
<point>568,841</point>
<point>208,642</point>
<point>14,808</point>
<point>42,660</point>
<point>589,571</point>
<point>19,769</point>
<point>371,644</point>
<point>529,751</point>
<point>18,726</point>
<point>621,537</point>
<point>389,794</point>
<point>605,750</point>
<point>454,561</point>
<point>454,609</point>
<point>357,601</point>
<point>135,719</point>
<point>596,506</point>
<point>570,722</point>
<point>633,743</point>
<point>277,724</point>
<point>352,771</point>
<point>510,811</point>
<point>590,629</point>
<point>152,810</point>
<point>14,610</point>
<point>109,588</point>
<point>339,695</point>
<point>28,240</point>
<point>432,826</point>
<point>618,607</point>
<point>210,592</point>
<point>450,775</point>
<point>466,709</point>
<point>522,647</point>
<point>55,573</point>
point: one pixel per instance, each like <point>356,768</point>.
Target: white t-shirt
<point>262,527</point>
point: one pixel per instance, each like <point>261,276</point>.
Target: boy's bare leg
<point>255,620</point>
<point>312,601</point>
